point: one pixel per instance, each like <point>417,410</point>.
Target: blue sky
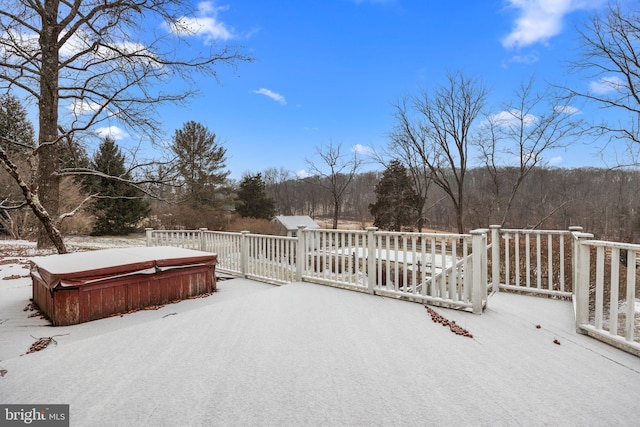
<point>329,71</point>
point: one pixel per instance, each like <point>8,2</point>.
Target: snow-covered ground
<point>305,354</point>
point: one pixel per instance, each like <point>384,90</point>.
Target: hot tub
<point>83,286</point>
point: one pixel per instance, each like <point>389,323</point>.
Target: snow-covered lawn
<point>305,354</point>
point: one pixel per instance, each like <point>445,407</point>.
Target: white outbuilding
<point>291,223</point>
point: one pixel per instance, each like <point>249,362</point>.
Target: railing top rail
<point>173,231</point>
<point>272,236</point>
<point>226,233</point>
<point>529,231</point>
<point>432,234</point>
<point>606,244</point>
<point>333,230</point>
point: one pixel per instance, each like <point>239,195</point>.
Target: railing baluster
<point>538,262</point>
<point>615,285</point>
<point>631,295</point>
<point>517,253</point>
<point>443,271</point>
<point>453,283</point>
<point>507,260</point>
<point>561,256</point>
<point>599,286</point>
<point>549,263</point>
<point>414,265</point>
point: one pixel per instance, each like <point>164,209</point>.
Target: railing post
<point>479,251</point>
<point>301,252</point>
<point>575,246</point>
<point>203,241</point>
<point>244,253</point>
<point>149,234</point>
<point>495,258</point>
<point>582,264</point>
<point>371,259</point>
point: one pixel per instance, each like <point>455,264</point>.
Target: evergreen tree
<point>119,206</point>
<point>16,131</point>
<point>396,201</point>
<point>17,141</point>
<point>201,163</point>
<point>253,200</point>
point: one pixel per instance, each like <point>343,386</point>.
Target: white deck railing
<point>269,259</point>
<point>439,269</point>
<point>533,261</point>
<point>605,299</point>
<point>424,267</point>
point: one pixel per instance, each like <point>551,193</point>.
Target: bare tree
<point>279,183</point>
<point>441,133</point>
<point>334,173</point>
<point>99,59</point>
<point>610,58</point>
<point>515,141</point>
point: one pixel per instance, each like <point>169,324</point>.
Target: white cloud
<point>540,20</point>
<point>512,118</point>
<point>556,160</point>
<point>270,94</point>
<point>205,23</point>
<point>362,149</point>
<point>606,85</point>
<point>302,174</point>
<point>567,109</point>
<point>79,107</point>
<point>112,131</point>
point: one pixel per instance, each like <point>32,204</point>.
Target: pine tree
<point>201,165</point>
<point>120,206</point>
<point>16,131</point>
<point>395,205</point>
<point>17,141</point>
<point>253,200</point>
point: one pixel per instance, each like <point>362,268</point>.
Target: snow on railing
<point>532,260</point>
<point>606,301</point>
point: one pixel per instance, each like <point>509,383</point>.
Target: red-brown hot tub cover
<point>77,287</point>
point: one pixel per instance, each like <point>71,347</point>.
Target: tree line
<point>603,201</point>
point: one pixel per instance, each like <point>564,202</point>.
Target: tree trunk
<point>54,235</point>
<point>48,181</point>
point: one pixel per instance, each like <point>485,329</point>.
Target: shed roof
<point>292,222</point>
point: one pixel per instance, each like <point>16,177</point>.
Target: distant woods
<point>604,202</point>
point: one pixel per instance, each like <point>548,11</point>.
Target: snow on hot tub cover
<point>80,268</point>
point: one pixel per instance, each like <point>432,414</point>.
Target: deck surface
<point>306,354</point>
